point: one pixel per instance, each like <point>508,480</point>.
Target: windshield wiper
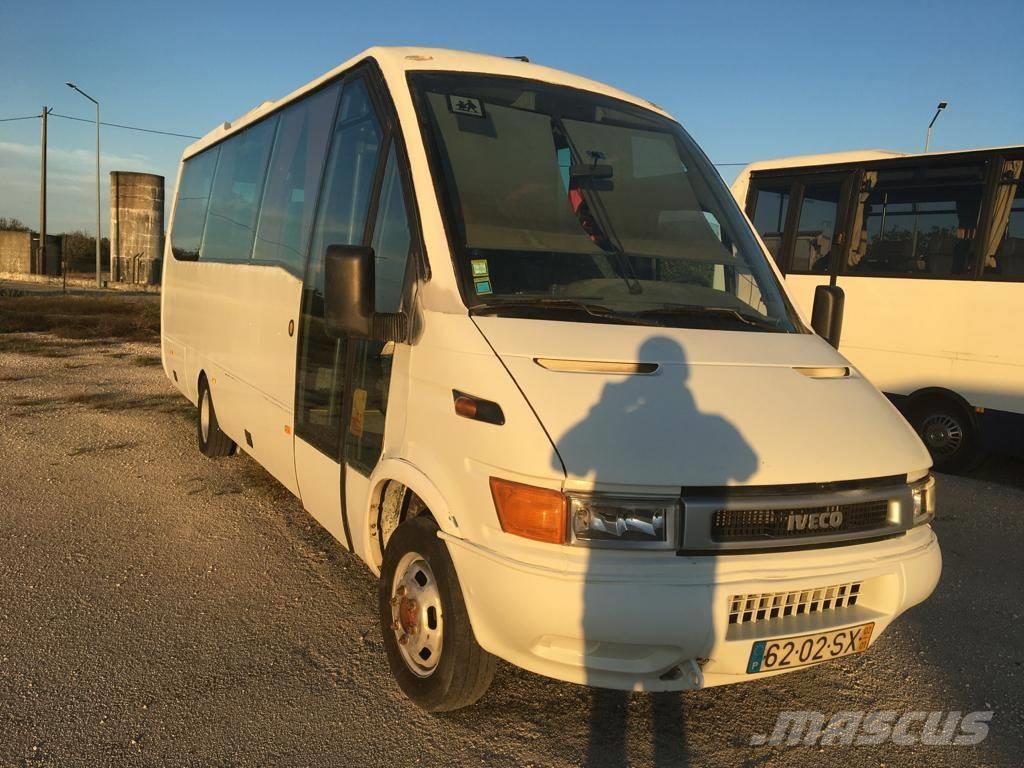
<point>596,310</point>
<point>696,310</point>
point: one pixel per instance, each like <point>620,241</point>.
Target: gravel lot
<point>159,608</point>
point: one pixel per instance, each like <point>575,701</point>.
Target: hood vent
<point>596,366</point>
<point>832,372</point>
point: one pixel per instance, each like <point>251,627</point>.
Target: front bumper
<point>660,622</point>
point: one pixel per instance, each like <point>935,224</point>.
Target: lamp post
<point>99,280</point>
<point>928,135</point>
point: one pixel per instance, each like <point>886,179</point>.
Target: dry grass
<point>132,318</point>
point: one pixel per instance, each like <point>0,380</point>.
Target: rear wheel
<point>430,644</point>
<point>949,433</point>
<point>212,441</point>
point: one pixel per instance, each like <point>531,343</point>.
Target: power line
<point>126,127</point>
<point>111,125</point>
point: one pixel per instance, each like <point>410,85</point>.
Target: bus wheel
<point>948,432</point>
<point>212,441</point>
<point>430,644</point>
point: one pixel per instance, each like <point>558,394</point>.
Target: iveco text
<point>510,339</point>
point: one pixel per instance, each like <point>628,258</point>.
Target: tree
<point>12,225</point>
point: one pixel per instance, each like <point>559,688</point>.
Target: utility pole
<point>99,278</point>
<point>41,251</point>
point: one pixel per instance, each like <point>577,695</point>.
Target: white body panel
<point>724,409</point>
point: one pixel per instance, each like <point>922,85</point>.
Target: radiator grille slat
<point>755,524</point>
<point>763,606</point>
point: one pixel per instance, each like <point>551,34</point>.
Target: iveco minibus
<point>507,335</point>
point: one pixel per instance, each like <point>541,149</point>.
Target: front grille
<point>761,606</point>
<point>756,524</point>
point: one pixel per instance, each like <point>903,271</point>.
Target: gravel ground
<point>159,608</point>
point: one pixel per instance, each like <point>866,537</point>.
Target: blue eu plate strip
<point>756,656</point>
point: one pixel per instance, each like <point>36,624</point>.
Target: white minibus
<point>929,253</point>
<point>507,335</point>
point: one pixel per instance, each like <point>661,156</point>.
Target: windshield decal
<point>464,105</point>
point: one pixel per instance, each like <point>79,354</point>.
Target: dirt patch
<point>134,318</point>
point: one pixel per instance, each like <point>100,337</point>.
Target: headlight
<point>616,521</point>
<point>924,501</point>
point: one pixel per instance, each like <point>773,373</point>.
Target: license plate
<point>789,652</point>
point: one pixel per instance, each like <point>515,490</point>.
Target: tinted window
<point>341,220</point>
<point>813,245</point>
<point>296,166</point>
<point>1004,249</point>
<point>770,209</point>
<point>237,188</point>
<point>916,230</point>
<point>372,374</point>
<point>193,200</point>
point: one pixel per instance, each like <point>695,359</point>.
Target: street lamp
<point>928,135</point>
<point>72,86</point>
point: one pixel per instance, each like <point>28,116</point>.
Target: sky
<point>749,81</point>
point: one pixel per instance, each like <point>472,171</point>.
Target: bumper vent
<point>773,605</point>
<point>757,524</point>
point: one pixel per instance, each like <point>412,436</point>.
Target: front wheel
<point>949,434</point>
<point>212,440</point>
<point>430,644</point>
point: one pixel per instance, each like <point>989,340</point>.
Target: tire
<point>948,432</point>
<point>440,666</point>
<point>212,441</point>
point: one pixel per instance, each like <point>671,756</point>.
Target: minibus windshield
<point>565,204</point>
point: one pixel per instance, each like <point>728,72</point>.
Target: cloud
<point>71,184</point>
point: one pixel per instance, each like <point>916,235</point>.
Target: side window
<point>237,189</point>
<point>911,227</point>
<point>770,209</point>
<point>1004,246</point>
<point>819,208</point>
<point>193,200</point>
<point>372,375</point>
<point>296,166</point>
<point>341,219</point>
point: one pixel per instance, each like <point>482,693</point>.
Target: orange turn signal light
<point>530,512</point>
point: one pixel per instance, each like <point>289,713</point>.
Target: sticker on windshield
<point>464,105</point>
<point>479,267</point>
<point>482,286</point>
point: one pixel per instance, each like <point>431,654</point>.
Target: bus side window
<point>296,165</point>
<point>812,247</point>
<point>769,216</point>
<point>372,374</point>
<point>1004,246</point>
<point>237,188</point>
<point>193,200</point>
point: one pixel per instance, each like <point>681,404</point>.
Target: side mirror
<point>349,292</point>
<point>827,315</point>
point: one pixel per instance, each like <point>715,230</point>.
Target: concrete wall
<point>136,226</point>
<point>16,252</point>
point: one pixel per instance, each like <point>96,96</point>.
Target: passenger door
<point>322,397</point>
<point>343,385</point>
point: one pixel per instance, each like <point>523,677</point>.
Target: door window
<point>771,208</point>
<point>340,220</point>
<point>372,373</point>
<point>812,247</point>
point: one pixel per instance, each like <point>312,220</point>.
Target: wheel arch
<point>397,482</point>
<point>941,393</point>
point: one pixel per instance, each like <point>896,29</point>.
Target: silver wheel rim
<point>416,616</point>
<point>943,434</point>
<point>204,415</point>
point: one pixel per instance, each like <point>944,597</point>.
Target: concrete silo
<point>136,226</point>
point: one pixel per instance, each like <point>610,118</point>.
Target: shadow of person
<point>635,418</point>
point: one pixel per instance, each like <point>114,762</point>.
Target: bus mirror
<point>827,315</point>
<point>348,290</point>
<point>349,293</point>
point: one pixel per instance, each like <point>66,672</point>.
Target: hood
<point>630,405</point>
